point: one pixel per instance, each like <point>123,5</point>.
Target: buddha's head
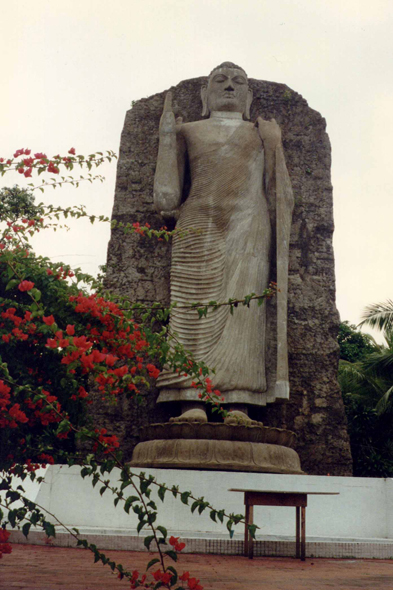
<point>227,90</point>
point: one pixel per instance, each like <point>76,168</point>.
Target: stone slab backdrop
<point>139,269</point>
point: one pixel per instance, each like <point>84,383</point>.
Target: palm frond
<point>380,363</point>
<point>385,404</point>
<point>379,315</point>
<point>354,379</point>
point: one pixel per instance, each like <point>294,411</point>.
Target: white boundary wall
<point>362,511</point>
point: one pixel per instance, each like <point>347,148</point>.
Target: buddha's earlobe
<point>247,112</point>
<point>205,108</point>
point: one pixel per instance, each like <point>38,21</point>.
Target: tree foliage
<point>366,380</point>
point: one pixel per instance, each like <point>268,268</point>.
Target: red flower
<point>17,414</point>
<point>153,371</point>
<point>49,320</point>
<point>51,343</point>
<point>72,151</point>
<point>25,286</point>
<point>184,577</point>
<point>82,392</point>
<point>52,168</point>
<point>174,541</point>
<point>166,578</point>
<point>70,330</point>
<point>5,548</point>
<point>193,584</point>
<point>4,535</point>
<point>110,360</point>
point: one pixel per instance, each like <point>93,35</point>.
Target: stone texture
<point>139,268</point>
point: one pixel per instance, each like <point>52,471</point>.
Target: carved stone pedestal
<point>220,447</point>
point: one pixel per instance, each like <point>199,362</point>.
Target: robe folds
<point>222,254</point>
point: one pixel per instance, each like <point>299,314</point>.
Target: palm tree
<point>367,387</point>
<point>379,315</point>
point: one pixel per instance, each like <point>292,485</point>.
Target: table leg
<point>250,539</point>
<point>246,530</point>
<point>297,532</point>
<point>303,543</point>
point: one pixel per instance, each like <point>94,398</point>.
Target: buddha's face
<point>227,90</point>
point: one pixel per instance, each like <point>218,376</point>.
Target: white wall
<point>362,510</point>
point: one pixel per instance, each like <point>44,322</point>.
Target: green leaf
<point>141,525</point>
<point>26,528</point>
<point>49,529</point>
<point>12,518</point>
<point>229,527</point>
<point>184,497</point>
<point>144,485</point>
<point>152,562</point>
<point>213,515</point>
<point>161,493</point>
<point>36,294</point>
<point>34,518</point>
<point>11,284</point>
<point>174,577</point>
<point>252,529</point>
<point>163,531</point>
<point>64,426</point>
<point>128,503</point>
<point>202,507</point>
<point>194,506</point>
<point>172,554</point>
<point>147,541</point>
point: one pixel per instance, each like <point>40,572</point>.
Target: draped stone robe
<point>225,255</point>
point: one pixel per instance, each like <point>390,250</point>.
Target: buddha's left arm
<point>270,134</point>
<point>275,164</point>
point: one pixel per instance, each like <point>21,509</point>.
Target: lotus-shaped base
<point>221,447</point>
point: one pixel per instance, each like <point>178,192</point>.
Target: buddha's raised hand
<point>167,121</point>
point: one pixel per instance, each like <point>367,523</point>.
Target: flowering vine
<point>60,337</point>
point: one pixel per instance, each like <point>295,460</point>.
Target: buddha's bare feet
<point>238,417</point>
<point>194,415</point>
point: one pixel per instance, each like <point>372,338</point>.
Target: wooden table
<point>278,498</point>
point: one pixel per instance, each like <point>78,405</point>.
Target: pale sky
<point>71,69</point>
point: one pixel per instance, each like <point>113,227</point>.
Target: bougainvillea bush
<point>62,336</point>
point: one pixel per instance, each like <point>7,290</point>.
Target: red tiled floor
<point>32,567</point>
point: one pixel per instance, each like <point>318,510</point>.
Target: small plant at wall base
<point>59,333</point>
